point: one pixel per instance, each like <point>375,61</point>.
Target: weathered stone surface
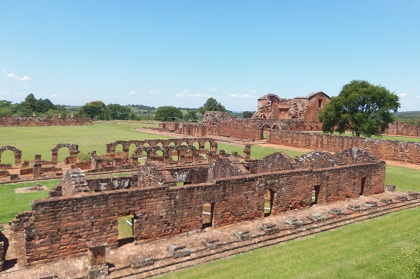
<point>139,262</point>
<point>269,228</point>
<point>61,226</point>
<point>43,121</point>
<point>179,251</point>
<point>243,235</point>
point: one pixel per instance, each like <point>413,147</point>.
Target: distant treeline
<point>410,117</point>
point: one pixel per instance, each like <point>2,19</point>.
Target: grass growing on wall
<point>369,249</point>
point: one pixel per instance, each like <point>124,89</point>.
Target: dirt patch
<point>35,188</point>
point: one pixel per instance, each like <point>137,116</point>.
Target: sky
<point>182,52</point>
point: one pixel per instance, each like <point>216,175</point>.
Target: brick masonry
<point>384,149</point>
<point>403,129</point>
<point>61,226</point>
<point>43,121</point>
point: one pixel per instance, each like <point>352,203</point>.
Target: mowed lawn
<point>369,249</point>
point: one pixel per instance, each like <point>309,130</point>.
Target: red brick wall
<point>44,121</point>
<point>403,129</point>
<point>383,149</point>
<point>61,226</point>
<point>240,128</point>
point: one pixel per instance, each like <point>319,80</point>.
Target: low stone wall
<point>403,129</point>
<point>221,124</point>
<point>43,121</point>
<point>383,149</point>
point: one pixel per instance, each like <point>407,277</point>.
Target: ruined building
<point>271,106</point>
<point>182,189</point>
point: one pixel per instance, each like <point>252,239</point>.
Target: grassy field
<point>369,249</point>
<point>383,137</point>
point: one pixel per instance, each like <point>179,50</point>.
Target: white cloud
<point>151,92</point>
<point>185,93</point>
<point>417,97</point>
<point>14,76</point>
<point>242,96</point>
<point>131,93</point>
<point>402,94</point>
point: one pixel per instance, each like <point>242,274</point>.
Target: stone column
<point>37,170</point>
<point>97,260</point>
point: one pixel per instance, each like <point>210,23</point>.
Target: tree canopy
<point>168,113</point>
<point>31,106</point>
<point>361,107</point>
<point>191,116</point>
<point>247,114</point>
<point>94,110</point>
<point>211,105</point>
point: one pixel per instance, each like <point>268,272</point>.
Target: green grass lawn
<point>12,204</point>
<point>369,249</point>
<point>40,140</point>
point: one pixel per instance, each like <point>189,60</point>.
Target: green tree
<point>5,108</point>
<point>247,114</point>
<point>361,107</point>
<point>211,105</point>
<point>116,111</point>
<point>191,116</point>
<point>94,110</point>
<point>168,113</point>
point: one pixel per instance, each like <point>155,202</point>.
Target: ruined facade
<point>165,200</point>
<point>384,149</point>
<point>271,106</point>
<point>10,121</point>
<point>216,123</point>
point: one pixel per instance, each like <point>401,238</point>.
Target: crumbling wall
<point>62,226</point>
<point>403,129</point>
<point>384,149</point>
<point>221,124</point>
<point>274,162</point>
<point>4,243</point>
<point>43,121</point>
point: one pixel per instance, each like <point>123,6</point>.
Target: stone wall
<point>61,226</point>
<point>221,124</point>
<point>2,250</point>
<point>384,149</point>
<point>43,121</point>
<point>403,129</point>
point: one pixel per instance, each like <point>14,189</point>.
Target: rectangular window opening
<point>319,103</point>
<point>315,194</point>
<point>207,215</point>
<point>125,229</point>
<point>362,185</point>
<point>268,202</point>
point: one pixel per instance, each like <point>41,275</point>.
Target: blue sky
<point>182,52</point>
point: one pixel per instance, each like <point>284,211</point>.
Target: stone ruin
<point>13,121</point>
<point>166,199</point>
<point>271,106</point>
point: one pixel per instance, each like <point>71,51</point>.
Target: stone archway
<point>73,149</point>
<point>17,152</point>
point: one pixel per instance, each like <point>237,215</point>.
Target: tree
<point>247,114</point>
<point>94,110</point>
<point>168,113</point>
<point>211,105</point>
<point>116,111</point>
<point>191,116</point>
<point>361,107</point>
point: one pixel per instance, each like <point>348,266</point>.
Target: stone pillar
<point>38,158</point>
<point>97,260</point>
<point>247,152</point>
<point>54,155</point>
<point>37,170</point>
<point>18,158</point>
